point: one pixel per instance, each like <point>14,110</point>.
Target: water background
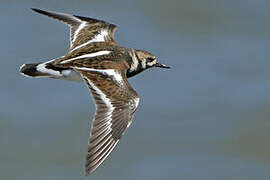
<point>207,118</point>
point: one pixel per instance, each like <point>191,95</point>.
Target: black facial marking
<point>50,66</point>
<point>136,71</point>
<point>150,59</point>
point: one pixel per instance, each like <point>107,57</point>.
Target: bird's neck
<point>136,65</point>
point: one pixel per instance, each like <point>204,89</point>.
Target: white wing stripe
<point>109,72</point>
<point>82,25</point>
<point>99,53</point>
<point>106,100</point>
<point>82,45</point>
<point>98,38</point>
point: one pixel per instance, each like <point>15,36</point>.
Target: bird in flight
<point>95,58</point>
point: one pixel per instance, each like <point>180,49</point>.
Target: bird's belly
<point>70,75</point>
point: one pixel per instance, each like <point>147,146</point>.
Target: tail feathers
<point>31,70</point>
<point>46,69</point>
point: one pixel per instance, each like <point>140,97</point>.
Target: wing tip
<point>47,12</point>
<point>91,166</point>
<point>82,18</point>
<point>89,171</point>
<point>38,10</point>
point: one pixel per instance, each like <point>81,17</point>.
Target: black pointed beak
<point>161,66</point>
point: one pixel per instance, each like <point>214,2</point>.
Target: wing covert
<point>116,103</point>
<point>83,30</point>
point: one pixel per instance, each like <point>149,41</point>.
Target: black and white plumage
<point>83,30</point>
<point>114,113</point>
<point>96,59</point>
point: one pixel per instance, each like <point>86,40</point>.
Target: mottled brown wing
<point>116,103</point>
<point>83,30</point>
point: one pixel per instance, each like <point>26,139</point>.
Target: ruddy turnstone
<point>95,58</point>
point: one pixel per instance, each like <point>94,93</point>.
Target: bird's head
<point>142,60</point>
<point>148,60</point>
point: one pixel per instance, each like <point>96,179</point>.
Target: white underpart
<point>95,54</point>
<point>71,75</point>
<point>108,72</point>
<point>98,38</point>
<point>82,25</point>
<point>106,100</point>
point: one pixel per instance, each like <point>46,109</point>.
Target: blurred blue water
<point>206,118</point>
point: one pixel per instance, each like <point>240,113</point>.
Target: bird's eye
<point>150,59</point>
